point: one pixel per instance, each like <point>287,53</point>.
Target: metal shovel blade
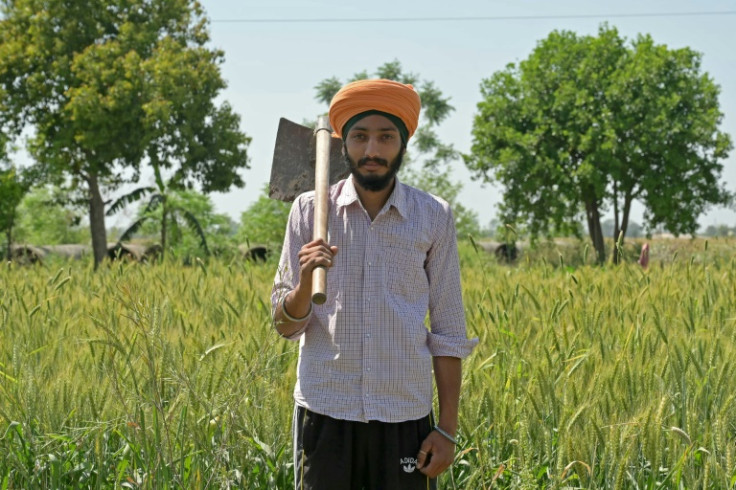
<point>292,170</point>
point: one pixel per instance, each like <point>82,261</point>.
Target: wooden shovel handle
<point>322,135</point>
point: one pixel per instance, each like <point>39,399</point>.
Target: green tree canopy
<point>589,124</point>
<point>109,86</point>
<point>264,222</point>
<point>12,190</point>
<point>434,173</point>
<point>43,219</point>
<point>194,228</point>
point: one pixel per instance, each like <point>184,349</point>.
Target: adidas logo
<point>408,464</point>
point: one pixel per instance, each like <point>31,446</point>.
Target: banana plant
<point>160,196</point>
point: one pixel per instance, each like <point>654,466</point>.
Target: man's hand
<point>298,302</point>
<point>437,452</point>
<point>316,253</point>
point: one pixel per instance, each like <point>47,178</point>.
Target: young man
<point>363,413</point>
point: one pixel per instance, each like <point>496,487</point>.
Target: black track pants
<point>332,454</point>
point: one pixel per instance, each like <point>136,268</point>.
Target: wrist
<point>292,318</point>
<point>445,434</point>
<point>448,423</point>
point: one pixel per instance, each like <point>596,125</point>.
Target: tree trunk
<point>97,221</point>
<point>595,231</point>
<point>625,215</point>
<point>615,210</point>
<point>9,241</point>
<point>10,224</point>
<point>615,257</point>
<point>617,252</point>
<point>164,212</point>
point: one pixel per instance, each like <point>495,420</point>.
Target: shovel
<point>302,161</point>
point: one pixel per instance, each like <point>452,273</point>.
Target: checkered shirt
<point>366,353</point>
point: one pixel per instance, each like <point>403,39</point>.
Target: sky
<point>272,67</point>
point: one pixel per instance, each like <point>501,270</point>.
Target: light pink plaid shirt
<point>366,354</point>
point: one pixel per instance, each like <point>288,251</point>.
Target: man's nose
<point>371,148</point>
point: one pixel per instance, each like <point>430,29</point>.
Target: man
<point>363,413</point>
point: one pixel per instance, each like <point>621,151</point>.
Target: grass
<point>145,376</point>
<point>171,377</point>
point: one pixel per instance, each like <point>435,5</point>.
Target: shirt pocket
<point>404,274</point>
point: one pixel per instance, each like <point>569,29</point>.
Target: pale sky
<point>272,67</point>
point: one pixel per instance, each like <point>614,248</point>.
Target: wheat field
<point>163,376</point>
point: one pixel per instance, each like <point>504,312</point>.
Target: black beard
<point>374,183</point>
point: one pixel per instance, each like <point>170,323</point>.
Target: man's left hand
<point>436,454</point>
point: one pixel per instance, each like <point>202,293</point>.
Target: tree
<point>172,209</point>
<point>110,86</point>
<point>434,174</point>
<point>12,190</point>
<point>191,224</point>
<point>183,219</point>
<point>264,222</point>
<point>719,231</point>
<point>46,218</point>
<point>588,123</point>
<point>633,230</point>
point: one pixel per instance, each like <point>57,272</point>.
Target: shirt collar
<point>398,198</point>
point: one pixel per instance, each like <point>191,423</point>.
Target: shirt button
<point>368,335</point>
<point>368,369</point>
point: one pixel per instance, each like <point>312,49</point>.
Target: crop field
<point>164,376</point>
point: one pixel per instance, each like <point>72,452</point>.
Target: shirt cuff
<point>280,304</point>
<point>444,346</point>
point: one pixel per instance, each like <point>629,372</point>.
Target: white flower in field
<point>682,434</point>
<point>513,442</point>
<point>215,421</point>
<point>644,257</point>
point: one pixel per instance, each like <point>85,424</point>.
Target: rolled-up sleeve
<point>447,336</point>
<point>297,234</point>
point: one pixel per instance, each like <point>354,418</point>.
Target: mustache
<point>379,161</point>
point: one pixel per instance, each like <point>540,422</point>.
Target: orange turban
<point>397,99</point>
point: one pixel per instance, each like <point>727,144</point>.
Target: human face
<point>373,150</point>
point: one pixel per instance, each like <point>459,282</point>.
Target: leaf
<point>159,181</point>
<point>197,229</point>
<point>132,229</point>
<point>154,203</point>
<point>130,198</point>
<point>211,349</point>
